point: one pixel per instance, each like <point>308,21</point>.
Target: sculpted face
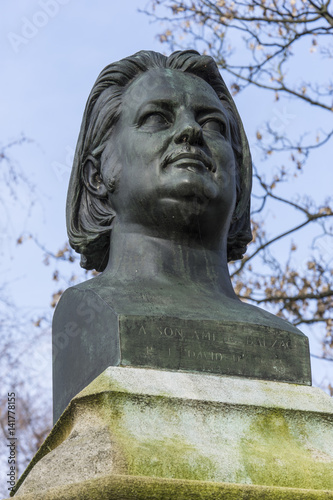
<point>172,148</point>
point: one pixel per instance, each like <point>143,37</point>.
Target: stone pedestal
<point>145,433</point>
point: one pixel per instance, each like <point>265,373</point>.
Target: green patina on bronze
<point>229,348</point>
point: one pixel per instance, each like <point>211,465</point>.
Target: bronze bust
<point>159,202</point>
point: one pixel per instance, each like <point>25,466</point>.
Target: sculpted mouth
<point>189,160</point>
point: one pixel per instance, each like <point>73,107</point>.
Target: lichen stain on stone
<point>166,456</point>
<point>273,456</point>
<point>101,384</point>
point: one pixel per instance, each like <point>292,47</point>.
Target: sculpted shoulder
<point>133,299</point>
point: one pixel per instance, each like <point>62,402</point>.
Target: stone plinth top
<point>210,388</point>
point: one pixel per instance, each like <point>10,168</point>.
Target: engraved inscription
<point>169,332</point>
<point>149,351</point>
<point>211,346</point>
<point>142,330</point>
<point>210,356</point>
<point>213,356</point>
<point>276,343</point>
<point>180,334</point>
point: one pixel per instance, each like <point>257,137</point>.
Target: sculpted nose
<point>189,132</point>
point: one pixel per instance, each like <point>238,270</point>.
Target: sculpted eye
<point>214,125</point>
<point>155,119</point>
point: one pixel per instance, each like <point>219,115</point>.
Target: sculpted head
<point>121,88</point>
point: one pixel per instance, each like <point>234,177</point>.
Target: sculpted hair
<point>90,218</point>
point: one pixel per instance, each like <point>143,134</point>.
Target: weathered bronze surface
<point>212,346</point>
<point>159,201</point>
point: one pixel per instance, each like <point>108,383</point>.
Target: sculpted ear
<point>92,179</point>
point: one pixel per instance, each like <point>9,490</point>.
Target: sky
<point>51,53</point>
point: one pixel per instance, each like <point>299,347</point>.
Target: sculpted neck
<point>145,259</point>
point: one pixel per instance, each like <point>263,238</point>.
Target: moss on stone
<point>147,435</point>
<point>144,488</point>
<point>102,383</point>
<point>58,434</point>
<point>161,456</point>
<point>169,458</point>
<point>272,455</point>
